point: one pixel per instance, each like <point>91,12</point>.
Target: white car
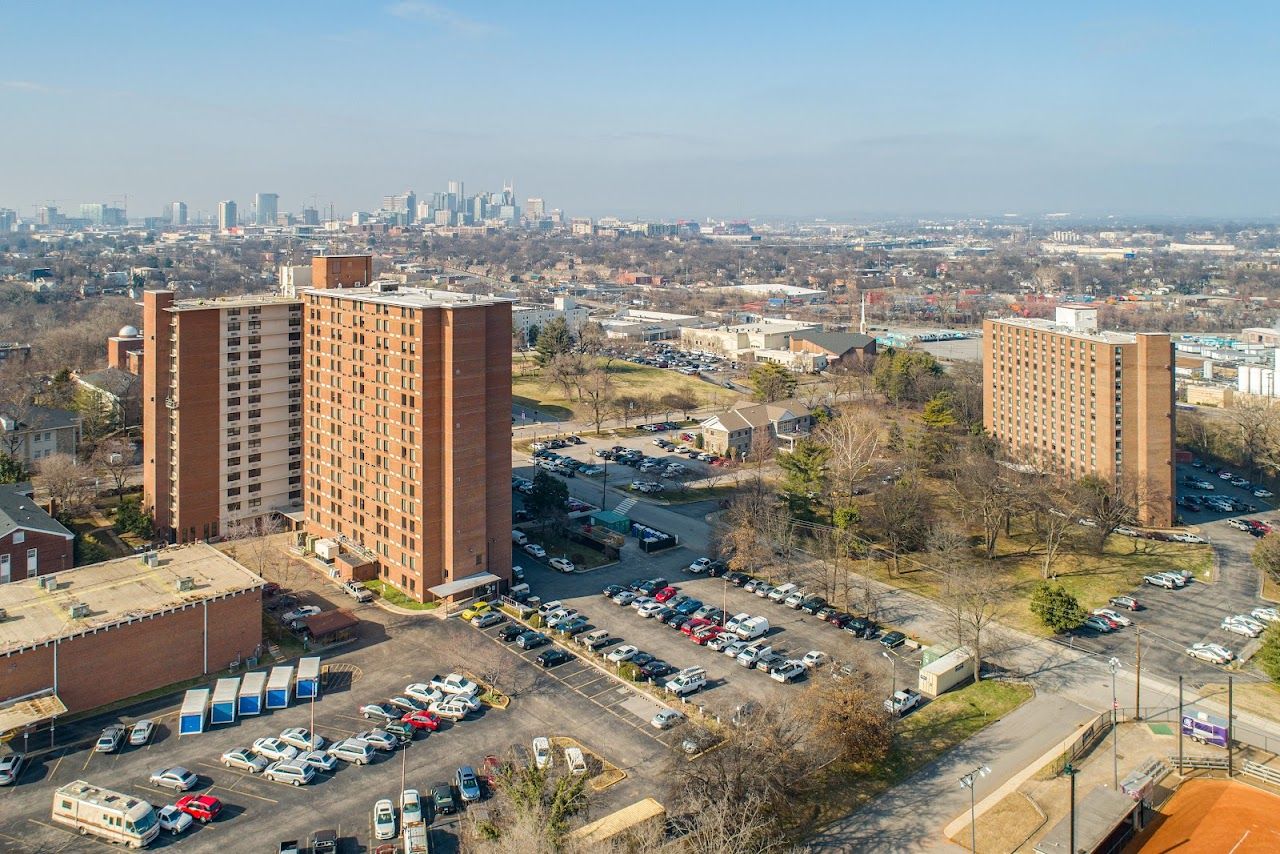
<point>244,759</point>
<point>622,653</point>
<point>1262,493</point>
<point>1211,652</point>
<point>700,565</point>
<point>455,683</point>
<point>410,806</point>
<point>735,648</point>
<point>1238,627</point>
<point>1266,615</point>
<point>626,597</point>
<point>293,773</point>
<point>650,609</point>
<point>384,819</point>
<point>302,738</point>
<point>1159,579</point>
<point>173,819</point>
<point>450,709</point>
<point>351,750</point>
<point>640,601</point>
<point>299,613</point>
<point>536,551</point>
<point>1253,625</point>
<point>378,739</point>
<point>423,692</point>
<point>140,733</point>
<point>561,564</point>
<point>1113,616</point>
<point>731,625</point>
<point>815,658</point>
<point>177,778</point>
<point>666,719</point>
<point>274,749</point>
<point>788,671</point>
<point>542,752</point>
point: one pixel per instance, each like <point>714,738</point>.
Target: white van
<point>519,538</point>
<point>542,752</point>
<point>782,592</point>
<point>575,760</point>
<point>752,628</point>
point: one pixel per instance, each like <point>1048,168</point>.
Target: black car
<point>665,614</point>
<point>813,604</point>
<point>737,579</point>
<point>839,619</point>
<point>652,586</point>
<point>517,573</point>
<point>657,669</point>
<point>576,440</point>
<point>640,659</point>
<point>678,601</point>
<point>892,639</point>
<point>532,640</point>
<point>635,585</point>
<point>717,569</point>
<point>860,628</point>
<point>678,621</point>
<point>552,657</point>
<point>283,603</point>
<point>715,615</point>
<point>510,632</point>
<point>612,590</point>
<point>442,799</point>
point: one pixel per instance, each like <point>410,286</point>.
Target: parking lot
<point>394,651</point>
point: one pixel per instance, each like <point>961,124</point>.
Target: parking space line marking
<point>167,792</point>
<point>86,837</point>
<point>232,788</point>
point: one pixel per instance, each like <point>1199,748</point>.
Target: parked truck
<point>112,816</point>
<point>414,836</point>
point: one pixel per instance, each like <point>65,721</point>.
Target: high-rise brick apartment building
<point>1063,395</point>
<point>222,411</point>
<point>408,430</point>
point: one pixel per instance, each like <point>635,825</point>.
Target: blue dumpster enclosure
<point>252,689</point>
<point>223,710</point>
<point>195,708</point>
<point>280,687</point>
<point>308,686</point>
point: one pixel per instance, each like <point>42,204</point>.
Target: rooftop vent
<point>48,582</point>
<point>186,583</point>
<point>78,610</point>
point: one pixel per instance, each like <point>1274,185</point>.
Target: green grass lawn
<point>923,736</point>
<point>528,388</point>
<point>558,546</point>
<point>395,597</point>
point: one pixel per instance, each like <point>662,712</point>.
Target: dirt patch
<point>1210,816</point>
<point>1003,828</point>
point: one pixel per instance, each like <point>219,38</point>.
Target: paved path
<point>910,816</point>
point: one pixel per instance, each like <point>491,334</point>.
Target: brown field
<point>1212,816</point>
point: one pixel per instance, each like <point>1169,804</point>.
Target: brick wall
<point>121,662</point>
<point>53,553</point>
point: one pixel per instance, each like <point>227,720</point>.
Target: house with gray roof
<point>31,541</point>
<point>731,433</point>
<point>32,433</point>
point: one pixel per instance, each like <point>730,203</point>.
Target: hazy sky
<point>661,109</point>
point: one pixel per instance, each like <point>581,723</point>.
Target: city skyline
<point>715,110</point>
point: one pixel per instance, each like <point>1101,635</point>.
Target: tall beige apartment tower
<point>407,432</point>
<point>1063,395</point>
<point>222,411</point>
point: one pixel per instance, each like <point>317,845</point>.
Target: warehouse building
<point>108,631</point>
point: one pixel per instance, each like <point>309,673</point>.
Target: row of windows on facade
<point>335,524</point>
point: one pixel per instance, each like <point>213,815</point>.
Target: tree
<point>566,370</point>
<point>87,549</point>
<point>905,375</point>
<point>97,419</point>
<point>591,337</point>
<point>745,537</point>
<point>771,382</point>
<point>531,336</point>
<point>849,719</point>
<point>553,339</point>
<point>63,480</point>
<point>854,440</point>
<point>1268,655</point>
<point>624,408</point>
<point>546,504</point>
<point>254,549</point>
<point>680,401</point>
<point>113,459</point>
<point>805,467</point>
<point>894,440</point>
<point>1266,557</point>
<point>901,517</point>
<point>986,493</point>
<point>596,391</point>
<point>1107,505</point>
<point>974,596</point>
<point>131,519</point>
<point>939,412</point>
<point>531,811</point>
<point>12,470</point>
<point>1056,608</point>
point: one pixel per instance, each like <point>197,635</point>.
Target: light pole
<point>967,781</point>
<point>893,661</point>
<point>1071,771</point>
<point>1114,664</point>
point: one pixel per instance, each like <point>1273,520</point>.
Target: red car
<point>693,625</point>
<point>706,633</point>
<point>203,808</point>
<point>421,720</point>
<point>664,594</point>
<point>491,769</point>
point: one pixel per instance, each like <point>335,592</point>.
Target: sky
<point>665,110</point>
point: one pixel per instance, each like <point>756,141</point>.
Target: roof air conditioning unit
<point>186,583</point>
<point>78,610</point>
<point>48,582</point>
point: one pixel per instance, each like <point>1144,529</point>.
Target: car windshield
<point>145,822</point>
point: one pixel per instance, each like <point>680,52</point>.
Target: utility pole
<point>1114,664</point>
<point>967,781</point>
<point>1231,713</point>
<point>1071,771</point>
<point>1137,695</point>
<point>1180,713</point>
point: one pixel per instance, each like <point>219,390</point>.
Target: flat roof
<point>203,303</point>
<point>409,297</point>
<point>116,591</point>
<point>1102,335</point>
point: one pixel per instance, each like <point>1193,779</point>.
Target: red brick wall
<point>115,664</point>
<point>341,271</point>
<point>54,553</point>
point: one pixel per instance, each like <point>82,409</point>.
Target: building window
<point>19,536</point>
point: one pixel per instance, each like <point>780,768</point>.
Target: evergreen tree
<point>1056,607</point>
<point>553,339</point>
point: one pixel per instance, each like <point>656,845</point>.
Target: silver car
<point>352,750</point>
<point>245,759</point>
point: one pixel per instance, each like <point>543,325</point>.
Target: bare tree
<point>566,370</point>
<point>985,491</point>
<point>253,547</point>
<point>974,596</point>
<point>64,481</point>
<point>1055,510</point>
<point>596,391</point>
<point>849,720</point>
<point>113,459</point>
<point>854,440</point>
<point>901,517</point>
<point>1106,506</point>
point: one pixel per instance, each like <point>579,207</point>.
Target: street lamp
<point>893,661</point>
<point>967,781</point>
<point>1071,771</point>
<point>1114,664</point>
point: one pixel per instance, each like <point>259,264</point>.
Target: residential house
<point>38,432</point>
<point>731,433</point>
<point>119,395</point>
<point>31,541</point>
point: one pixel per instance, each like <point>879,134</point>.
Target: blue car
<point>687,608</point>
<point>468,784</point>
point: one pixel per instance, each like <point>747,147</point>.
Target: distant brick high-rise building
<point>1065,396</point>
<point>408,429</point>
<point>341,271</point>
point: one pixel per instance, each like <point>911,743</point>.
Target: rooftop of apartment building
<point>116,591</point>
<point>1076,321</point>
<point>394,293</point>
<point>238,301</point>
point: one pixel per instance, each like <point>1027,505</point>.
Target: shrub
<point>1056,607</point>
<point>629,672</point>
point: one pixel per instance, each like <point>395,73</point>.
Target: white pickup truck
<point>902,702</point>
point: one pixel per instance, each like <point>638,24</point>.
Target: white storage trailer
<point>308,686</point>
<point>252,690</point>
<point>280,687</point>
<point>946,673</point>
<point>194,713</point>
<point>225,696</point>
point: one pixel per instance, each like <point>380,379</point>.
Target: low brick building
<point>112,630</point>
<point>31,541</point>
